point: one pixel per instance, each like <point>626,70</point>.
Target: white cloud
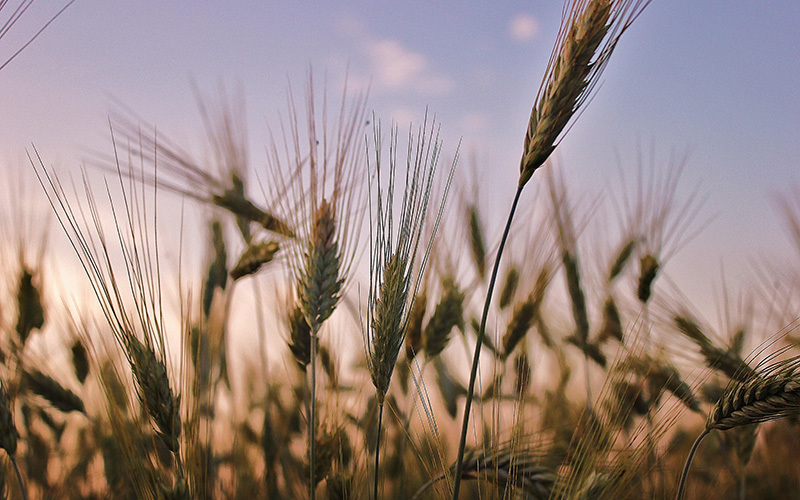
<point>392,66</point>
<point>523,27</point>
<point>395,67</point>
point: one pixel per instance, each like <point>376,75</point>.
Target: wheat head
<point>589,33</point>
<point>770,394</point>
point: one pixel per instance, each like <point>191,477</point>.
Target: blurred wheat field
<point>350,323</point>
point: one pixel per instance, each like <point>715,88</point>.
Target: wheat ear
<point>503,467</point>
<point>768,394</point>
<point>589,32</point>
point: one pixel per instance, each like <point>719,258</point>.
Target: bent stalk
<point>479,342</point>
<point>685,473</point>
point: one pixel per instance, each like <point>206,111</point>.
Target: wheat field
<point>350,323</point>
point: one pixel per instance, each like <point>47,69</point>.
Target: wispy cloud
<point>396,67</point>
<point>392,66</point>
<point>523,27</point>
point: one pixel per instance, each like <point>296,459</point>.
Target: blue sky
<point>717,80</point>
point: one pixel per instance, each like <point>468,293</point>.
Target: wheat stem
<point>22,487</point>
<point>312,422</point>
<point>478,344</point>
<point>378,450</point>
<point>685,473</point>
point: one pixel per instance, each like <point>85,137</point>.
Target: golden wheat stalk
<point>396,272</point>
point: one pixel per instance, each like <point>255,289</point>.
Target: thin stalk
<point>407,428</point>
<point>476,357</point>
<point>742,485</point>
<point>312,423</point>
<point>19,478</point>
<point>378,450</point>
<point>685,473</point>
<point>425,487</point>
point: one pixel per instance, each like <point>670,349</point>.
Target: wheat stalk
<point>395,271</point>
<point>138,329</point>
<point>590,30</point>
<point>317,177</point>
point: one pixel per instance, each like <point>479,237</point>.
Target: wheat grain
<point>772,393</point>
<point>622,258</point>
<point>521,322</point>
<point>80,360</point>
<point>648,269</point>
<point>30,312</point>
<point>612,323</point>
<point>299,337</point>
<point>477,245</point>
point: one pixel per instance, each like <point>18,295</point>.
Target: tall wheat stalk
<point>589,32</point>
<point>324,184</point>
<point>395,271</point>
<point>332,195</point>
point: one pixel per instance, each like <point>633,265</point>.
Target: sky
<point>715,82</point>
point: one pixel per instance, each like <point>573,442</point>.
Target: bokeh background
<point>714,82</point>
